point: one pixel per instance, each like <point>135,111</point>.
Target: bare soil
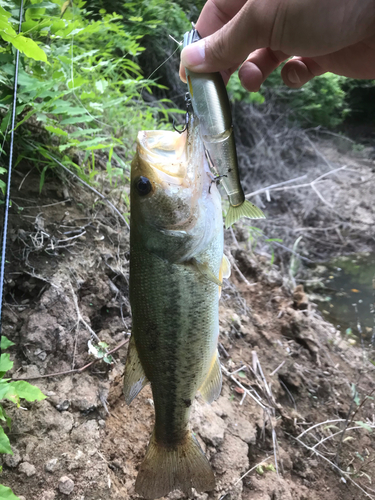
<point>84,443</point>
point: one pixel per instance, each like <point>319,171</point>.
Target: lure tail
<point>182,467</point>
<point>246,209</point>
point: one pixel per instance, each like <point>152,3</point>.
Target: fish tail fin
<point>246,209</point>
<point>182,467</point>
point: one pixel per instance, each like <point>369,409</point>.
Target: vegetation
<point>82,91</point>
<point>80,86</point>
<point>12,391</point>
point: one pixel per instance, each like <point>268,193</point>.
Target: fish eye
<point>143,186</point>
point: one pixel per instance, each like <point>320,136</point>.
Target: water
<point>343,291</point>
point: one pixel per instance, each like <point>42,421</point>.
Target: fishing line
<point>7,194</point>
<point>162,64</point>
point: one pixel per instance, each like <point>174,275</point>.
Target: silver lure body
<point>210,103</point>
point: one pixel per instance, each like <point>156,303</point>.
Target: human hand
<point>322,35</point>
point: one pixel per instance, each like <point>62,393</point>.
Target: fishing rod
<point>7,193</point>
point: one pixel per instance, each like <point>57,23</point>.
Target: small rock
<point>51,465</point>
<point>21,498</point>
<point>236,321</point>
<point>285,459</point>
<point>211,429</point>
<point>63,406</point>
<point>12,460</point>
<point>101,423</point>
<point>27,468</point>
<point>243,429</point>
<point>49,495</point>
<point>66,485</point>
<point>232,447</point>
<point>300,300</point>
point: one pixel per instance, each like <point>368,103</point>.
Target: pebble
<point>63,406</point>
<point>12,460</point>
<point>66,485</point>
<point>51,465</point>
<point>49,495</point>
<point>27,468</point>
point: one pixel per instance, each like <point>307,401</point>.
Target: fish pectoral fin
<point>134,376</point>
<point>211,387</point>
<point>204,269</point>
<point>225,268</point>
<point>246,209</point>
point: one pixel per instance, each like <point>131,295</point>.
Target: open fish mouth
<point>168,177</point>
<point>165,152</point>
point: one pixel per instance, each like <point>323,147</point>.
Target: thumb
<point>228,46</point>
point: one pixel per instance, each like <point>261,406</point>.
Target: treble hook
<point>185,126</point>
<point>187,103</point>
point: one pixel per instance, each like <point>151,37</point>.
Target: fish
<point>210,102</point>
<point>176,269</point>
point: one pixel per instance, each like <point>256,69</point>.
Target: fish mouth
<point>165,152</point>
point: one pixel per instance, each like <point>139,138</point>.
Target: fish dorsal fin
<point>211,387</point>
<point>134,376</point>
<point>204,269</point>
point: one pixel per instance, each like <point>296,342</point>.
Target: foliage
<point>237,93</point>
<point>88,96</point>
<point>320,102</point>
<point>14,391</point>
<point>7,494</point>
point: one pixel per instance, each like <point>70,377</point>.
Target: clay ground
<point>296,383</point>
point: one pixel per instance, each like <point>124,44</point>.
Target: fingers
<point>215,14</point>
<point>258,66</point>
<point>299,71</point>
<point>228,46</point>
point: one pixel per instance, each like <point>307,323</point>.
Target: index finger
<point>215,14</point>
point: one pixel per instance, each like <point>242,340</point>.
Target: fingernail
<point>293,77</point>
<point>193,55</point>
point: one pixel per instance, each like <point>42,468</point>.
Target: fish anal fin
<point>204,269</point>
<point>246,209</point>
<point>134,376</point>
<point>211,387</point>
<point>182,467</point>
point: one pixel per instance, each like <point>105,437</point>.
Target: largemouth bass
<point>176,267</point>
<point>211,105</point>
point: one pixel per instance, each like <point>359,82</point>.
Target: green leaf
<point>5,343</point>
<point>7,494</point>
<point>7,392</point>
<point>101,85</point>
<point>27,391</point>
<point>5,362</point>
<point>25,45</point>
<point>364,425</point>
<point>55,130</point>
<point>4,444</point>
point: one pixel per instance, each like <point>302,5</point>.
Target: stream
<point>343,291</point>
